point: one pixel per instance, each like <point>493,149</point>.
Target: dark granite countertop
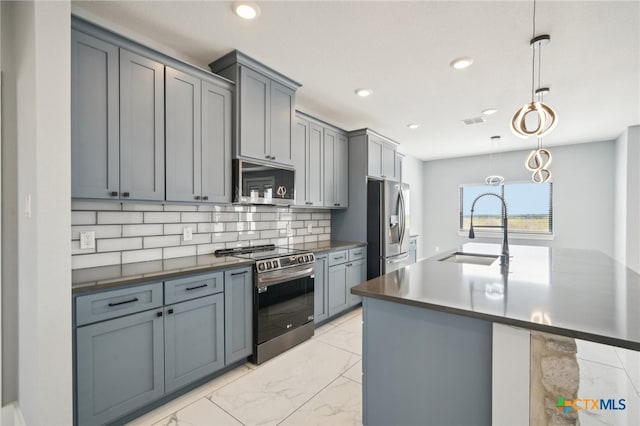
<point>113,276</point>
<point>577,293</point>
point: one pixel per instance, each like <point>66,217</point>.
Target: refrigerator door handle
<point>402,217</point>
<point>399,259</point>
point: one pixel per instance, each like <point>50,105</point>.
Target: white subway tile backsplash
<point>161,241</point>
<point>198,239</point>
<point>83,218</point>
<point>171,252</point>
<point>214,227</point>
<point>137,232</point>
<point>119,244</point>
<point>178,228</point>
<point>75,249</point>
<point>119,217</point>
<point>92,260</point>
<point>196,217</point>
<point>128,207</point>
<point>141,230</point>
<point>141,255</point>
<point>161,217</point>
<point>180,208</point>
<point>102,231</point>
<point>95,205</point>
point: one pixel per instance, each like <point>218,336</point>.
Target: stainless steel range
<point>283,300</point>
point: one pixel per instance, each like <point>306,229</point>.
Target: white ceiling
<point>402,51</point>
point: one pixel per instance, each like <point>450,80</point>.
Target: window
<point>529,206</point>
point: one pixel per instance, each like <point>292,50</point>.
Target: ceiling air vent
<point>473,120</point>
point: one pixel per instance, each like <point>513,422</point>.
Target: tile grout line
<point>230,415</point>
<point>600,363</point>
<point>307,401</point>
<point>337,347</point>
<point>637,389</point>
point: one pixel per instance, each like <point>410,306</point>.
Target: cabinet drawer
<point>337,257</point>
<point>193,286</point>
<point>116,303</point>
<point>357,253</point>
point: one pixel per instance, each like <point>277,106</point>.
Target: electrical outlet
<point>309,228</point>
<point>187,233</point>
<point>87,240</point>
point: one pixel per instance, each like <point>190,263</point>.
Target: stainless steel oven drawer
<point>338,257</point>
<point>193,286</point>
<point>115,303</point>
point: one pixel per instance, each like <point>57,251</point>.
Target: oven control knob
<point>261,266</point>
<point>269,264</point>
<point>300,259</point>
<point>276,263</point>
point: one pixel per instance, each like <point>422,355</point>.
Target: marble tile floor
<point>319,382</point>
<point>608,372</point>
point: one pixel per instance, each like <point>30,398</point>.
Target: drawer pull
<point>169,311</point>
<point>239,273</point>
<point>135,299</point>
<point>338,257</point>
<point>196,287</point>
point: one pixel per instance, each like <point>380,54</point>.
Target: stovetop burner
<point>265,251</point>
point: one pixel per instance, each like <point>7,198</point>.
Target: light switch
<point>187,233</point>
<point>87,240</point>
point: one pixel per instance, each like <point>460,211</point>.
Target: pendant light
<point>492,179</point>
<point>539,159</point>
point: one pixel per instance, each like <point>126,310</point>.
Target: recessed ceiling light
<point>364,92</point>
<point>461,63</point>
<point>413,126</point>
<point>489,111</point>
<point>246,9</point>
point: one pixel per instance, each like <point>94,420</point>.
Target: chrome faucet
<point>504,258</point>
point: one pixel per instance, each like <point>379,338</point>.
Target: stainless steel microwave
<point>256,183</point>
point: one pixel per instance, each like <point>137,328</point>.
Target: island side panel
<point>424,367</point>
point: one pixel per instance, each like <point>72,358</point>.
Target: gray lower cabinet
<point>198,139</point>
<point>338,297</point>
<point>121,367</point>
<point>321,289</point>
<point>193,340</point>
<point>357,271</point>
<point>238,299</point>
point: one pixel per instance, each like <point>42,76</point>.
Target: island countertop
<point>577,293</point>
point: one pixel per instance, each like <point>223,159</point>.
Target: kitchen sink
<point>473,258</point>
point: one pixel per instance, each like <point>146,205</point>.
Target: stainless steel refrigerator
<point>387,227</point>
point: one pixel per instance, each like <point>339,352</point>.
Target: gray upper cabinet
<point>119,366</point>
<point>381,156</point>
<point>309,161</point>
<point>265,109</point>
<point>238,300</point>
<point>329,151</point>
<point>300,146</point>
<point>141,127</point>
<point>198,139</point>
<point>193,340</point>
<point>95,122</point>
<point>341,171</point>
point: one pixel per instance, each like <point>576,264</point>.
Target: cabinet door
<point>119,366</point>
<point>329,168</point>
<point>357,272</point>
<point>321,289</point>
<point>399,160</point>
<point>95,125</point>
<point>315,166</point>
<point>238,296</point>
<point>254,115</point>
<point>141,127</point>
<point>282,107</point>
<point>338,297</point>
<point>389,162</point>
<point>194,340</point>
<point>216,143</point>
<point>300,156</point>
<point>341,171</point>
<point>183,140</point>
<point>374,157</point>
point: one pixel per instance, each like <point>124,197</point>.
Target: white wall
<point>412,173</point>
<point>627,198</point>
<point>39,77</point>
<point>583,188</point>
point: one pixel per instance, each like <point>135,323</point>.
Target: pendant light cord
<point>533,54</point>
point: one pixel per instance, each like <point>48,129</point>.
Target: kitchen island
<point>429,352</point>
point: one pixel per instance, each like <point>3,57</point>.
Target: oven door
<point>283,301</point>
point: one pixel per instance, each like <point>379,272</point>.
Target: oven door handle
<point>267,280</point>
